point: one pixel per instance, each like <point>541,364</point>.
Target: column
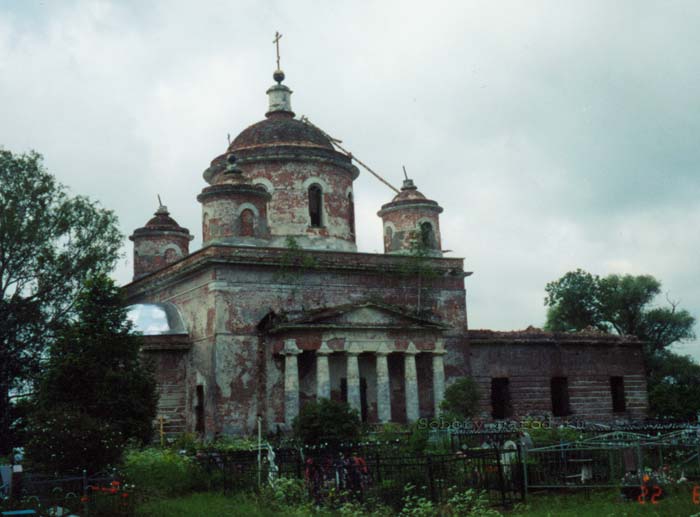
<point>383,387</point>
<point>411,378</point>
<point>438,379</point>
<point>353,381</point>
<point>291,381</point>
<point>323,376</point>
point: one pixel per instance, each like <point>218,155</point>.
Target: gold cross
<point>276,41</point>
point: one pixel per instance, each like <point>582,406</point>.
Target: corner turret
<point>411,222</point>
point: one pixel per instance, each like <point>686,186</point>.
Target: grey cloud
<point>555,135</point>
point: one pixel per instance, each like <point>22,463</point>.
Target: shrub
<point>468,502</point>
<point>416,506</point>
<point>231,444</point>
<point>162,472</point>
<point>287,493</point>
<point>461,399</point>
<point>66,440</point>
<point>327,421</point>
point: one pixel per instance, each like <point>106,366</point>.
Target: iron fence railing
<point>497,473</point>
<point>612,460</point>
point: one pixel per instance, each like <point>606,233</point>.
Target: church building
<point>277,307</point>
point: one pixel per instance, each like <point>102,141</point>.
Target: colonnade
<point>352,375</point>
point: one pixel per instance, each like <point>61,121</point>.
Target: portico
<point>349,354</point>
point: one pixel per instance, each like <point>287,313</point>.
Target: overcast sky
<point>556,135</point>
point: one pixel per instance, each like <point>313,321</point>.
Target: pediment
<point>360,316</point>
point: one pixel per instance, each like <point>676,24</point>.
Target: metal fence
<point>361,473</point>
<point>613,460</point>
<point>81,494</point>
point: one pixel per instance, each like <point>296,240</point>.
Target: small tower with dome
<point>159,243</point>
<point>411,223</point>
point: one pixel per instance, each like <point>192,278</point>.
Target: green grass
<point>677,503</point>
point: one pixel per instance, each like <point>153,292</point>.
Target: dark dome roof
<point>280,129</point>
<point>161,222</point>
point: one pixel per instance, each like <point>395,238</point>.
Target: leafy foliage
<point>161,472</point>
<point>94,373</point>
<point>673,385</point>
<point>66,440</point>
<point>419,266</point>
<point>622,304</point>
<point>49,244</point>
<point>618,303</point>
<point>573,303</point>
<point>461,399</point>
<point>327,421</point>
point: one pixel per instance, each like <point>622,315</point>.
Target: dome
<point>278,130</point>
<point>161,222</point>
<point>410,196</point>
<point>409,192</point>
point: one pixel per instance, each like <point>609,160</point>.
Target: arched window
<point>427,235</point>
<point>351,214</point>
<point>388,239</point>
<point>247,228</point>
<point>315,205</point>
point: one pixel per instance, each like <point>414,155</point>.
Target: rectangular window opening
<point>617,390</point>
<point>199,410</point>
<point>500,398</point>
<point>560,396</point>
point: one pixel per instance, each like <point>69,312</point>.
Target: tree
<point>419,265</point>
<point>461,399</point>
<point>616,303</point>
<point>327,421</point>
<point>674,385</point>
<point>622,304</point>
<point>95,389</point>
<point>50,243</point>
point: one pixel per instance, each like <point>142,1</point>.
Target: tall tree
<point>623,304</point>
<point>94,387</point>
<point>616,303</point>
<point>50,243</point>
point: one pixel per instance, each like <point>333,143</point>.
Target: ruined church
<point>277,307</point>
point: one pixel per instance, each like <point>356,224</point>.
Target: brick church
<point>278,307</point>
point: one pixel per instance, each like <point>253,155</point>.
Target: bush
<point>469,502</point>
<point>461,399</point>
<point>327,421</point>
<point>65,440</point>
<point>162,472</point>
<point>94,390</point>
<point>288,492</point>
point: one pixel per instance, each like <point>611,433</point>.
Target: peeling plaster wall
<point>402,225</point>
<point>195,300</point>
<point>251,292</point>
<point>224,292</point>
<point>288,209</point>
<point>152,253</point>
<point>223,304</point>
<point>221,219</point>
